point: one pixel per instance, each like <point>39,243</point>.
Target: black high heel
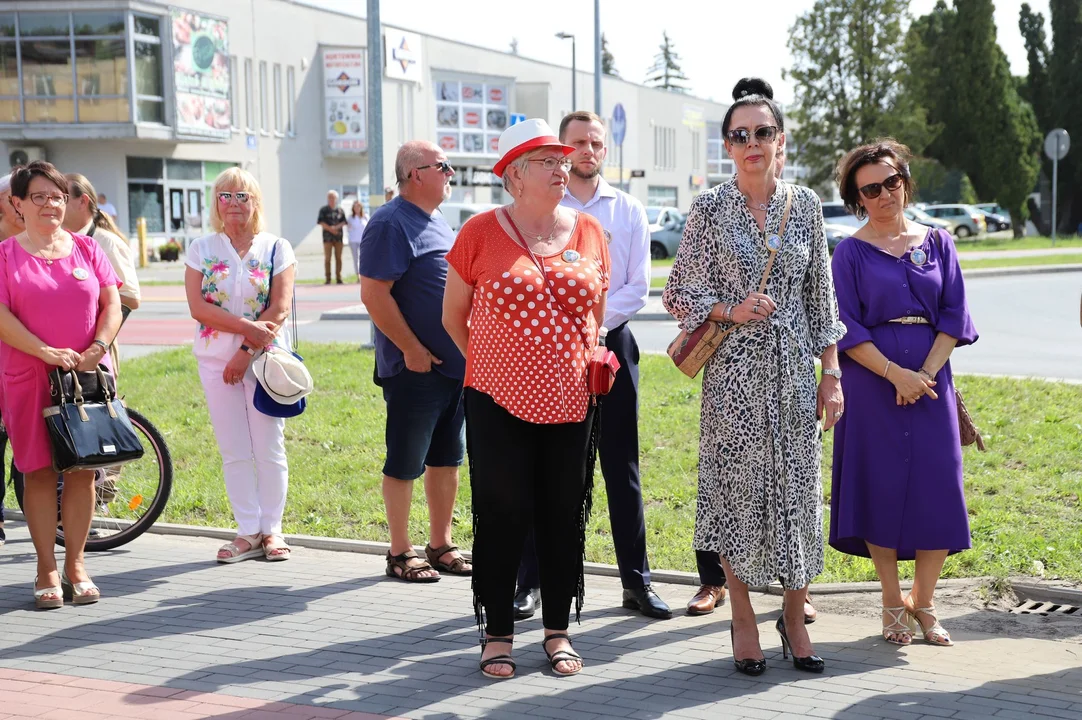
<point>748,667</point>
<point>812,663</point>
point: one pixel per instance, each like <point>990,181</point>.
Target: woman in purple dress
<point>897,481</point>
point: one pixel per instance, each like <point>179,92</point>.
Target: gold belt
<point>911,320</point>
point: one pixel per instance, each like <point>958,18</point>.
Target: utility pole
<point>375,107</point>
<point>597,58</point>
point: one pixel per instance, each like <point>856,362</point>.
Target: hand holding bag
<point>284,381</point>
<point>88,424</point>
<point>690,350</point>
<point>601,369</point>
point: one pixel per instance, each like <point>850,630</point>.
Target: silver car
<point>965,220</point>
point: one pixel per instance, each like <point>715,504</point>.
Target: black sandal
<point>457,566</point>
<point>561,655</point>
<point>498,659</point>
<point>410,573</point>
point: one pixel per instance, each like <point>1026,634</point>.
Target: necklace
<point>540,238</point>
<point>757,206</point>
<point>40,252</point>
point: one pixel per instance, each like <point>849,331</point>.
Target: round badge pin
<point>80,273</point>
<point>571,256</point>
<point>773,243</point>
<point>918,256</point>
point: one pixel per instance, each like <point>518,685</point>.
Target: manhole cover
<point>1034,607</point>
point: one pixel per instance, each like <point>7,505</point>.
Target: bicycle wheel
<point>129,499</point>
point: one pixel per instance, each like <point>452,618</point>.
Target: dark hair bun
<point>753,86</point>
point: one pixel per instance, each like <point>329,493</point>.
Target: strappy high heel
<point>811,663</point>
<point>497,659</point>
<point>898,628</point>
<point>750,666</point>
<point>561,655</point>
<point>934,635</point>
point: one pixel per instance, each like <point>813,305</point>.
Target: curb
<point>1025,588</point>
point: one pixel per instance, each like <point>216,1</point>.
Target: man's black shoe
<point>646,601</point>
<point>527,600</point>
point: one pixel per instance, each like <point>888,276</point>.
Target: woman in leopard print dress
<point>760,498</point>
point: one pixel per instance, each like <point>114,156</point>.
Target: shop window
<point>659,195</point>
<point>471,114</point>
<point>7,25</point>
<point>145,168</point>
<point>146,200</point>
<point>149,87</point>
<point>183,170</point>
<point>44,24</point>
<point>98,23</point>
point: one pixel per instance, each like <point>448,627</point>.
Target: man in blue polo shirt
<point>403,272</point>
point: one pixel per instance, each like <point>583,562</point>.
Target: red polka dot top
<point>530,336</point>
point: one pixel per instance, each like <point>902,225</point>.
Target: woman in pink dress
<point>59,307</point>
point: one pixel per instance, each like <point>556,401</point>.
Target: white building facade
<point>152,100</point>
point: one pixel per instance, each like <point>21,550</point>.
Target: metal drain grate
<point>1033,607</point>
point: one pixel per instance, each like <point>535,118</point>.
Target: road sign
<point>638,173</point>
<point>517,118</point>
<point>619,124</point>
<point>1056,144</point>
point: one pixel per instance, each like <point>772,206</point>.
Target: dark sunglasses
<point>445,168</point>
<point>892,183</point>
<point>741,136</point>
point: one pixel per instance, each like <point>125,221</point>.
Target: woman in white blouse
<point>357,222</point>
<point>240,312</point>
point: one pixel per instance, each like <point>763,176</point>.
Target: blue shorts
<point>425,423</point>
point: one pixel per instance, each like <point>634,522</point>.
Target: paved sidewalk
<point>327,635</point>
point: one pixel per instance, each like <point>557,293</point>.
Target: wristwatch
<point>833,372</point>
<point>247,349</point>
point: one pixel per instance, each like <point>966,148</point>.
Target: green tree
<point>964,81</point>
<point>608,63</point>
<point>665,73</point>
<point>1054,86</point>
<point>851,82</point>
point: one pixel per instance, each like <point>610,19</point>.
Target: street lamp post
<point>574,99</point>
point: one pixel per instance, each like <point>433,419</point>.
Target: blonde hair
<point>79,186</point>
<point>236,179</point>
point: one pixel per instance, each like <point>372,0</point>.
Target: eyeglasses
<point>551,163</point>
<point>42,199</point>
<point>242,197</point>
<point>741,136</point>
<point>892,183</point>
<point>445,168</point>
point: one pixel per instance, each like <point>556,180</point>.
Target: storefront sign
<point>345,123</point>
<point>475,177</point>
<point>470,115</point>
<point>694,117</point>
<point>403,60</point>
<point>201,75</point>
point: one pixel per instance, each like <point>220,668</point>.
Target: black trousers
<point>619,451</point>
<point>521,475</point>
<point>711,571</point>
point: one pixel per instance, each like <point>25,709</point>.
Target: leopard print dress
<point>760,498</point>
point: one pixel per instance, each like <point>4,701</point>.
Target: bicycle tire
<point>140,526</point>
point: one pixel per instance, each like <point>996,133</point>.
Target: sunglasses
<point>225,197</point>
<point>445,168</point>
<point>741,136</point>
<point>892,183</point>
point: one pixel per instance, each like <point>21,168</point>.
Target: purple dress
<point>897,477</point>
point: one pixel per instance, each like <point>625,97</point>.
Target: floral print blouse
<point>240,286</point>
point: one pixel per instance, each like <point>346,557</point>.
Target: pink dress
<point>62,311</point>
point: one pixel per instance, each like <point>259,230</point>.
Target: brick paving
<point>326,635</point>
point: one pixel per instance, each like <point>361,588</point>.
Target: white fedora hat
<point>523,137</point>
<point>283,376</point>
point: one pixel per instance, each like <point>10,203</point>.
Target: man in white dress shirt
<point>624,220</point>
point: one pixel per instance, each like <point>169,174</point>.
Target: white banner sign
<point>345,122</point>
<point>403,60</point>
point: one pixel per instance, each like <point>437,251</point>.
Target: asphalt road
<point>1029,325</point>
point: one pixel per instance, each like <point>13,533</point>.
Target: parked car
<point>965,220</point>
<point>836,214</point>
<point>994,208</point>
<point>995,221</point>
<point>661,217</point>
<point>665,240</point>
<point>836,233</point>
<point>456,214</point>
<point>919,216</point>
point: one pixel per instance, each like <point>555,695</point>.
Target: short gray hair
<point>409,157</point>
<point>522,162</point>
<point>333,192</point>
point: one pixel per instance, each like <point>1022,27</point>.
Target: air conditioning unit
<point>25,154</point>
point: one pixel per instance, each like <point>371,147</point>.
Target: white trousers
<point>253,451</point>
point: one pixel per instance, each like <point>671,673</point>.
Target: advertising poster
<point>470,116</point>
<point>345,126</point>
<point>201,75</point>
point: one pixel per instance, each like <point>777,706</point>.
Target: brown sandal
<point>410,573</point>
<point>457,566</point>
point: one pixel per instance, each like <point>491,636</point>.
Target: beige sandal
<point>897,631</point>
<point>235,554</point>
<point>275,548</point>
<point>936,634</point>
<point>82,593</point>
<point>41,602</point>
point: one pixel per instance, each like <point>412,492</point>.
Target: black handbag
<point>88,424</point>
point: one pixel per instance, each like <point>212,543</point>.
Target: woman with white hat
<point>524,301</point>
<point>240,312</point>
